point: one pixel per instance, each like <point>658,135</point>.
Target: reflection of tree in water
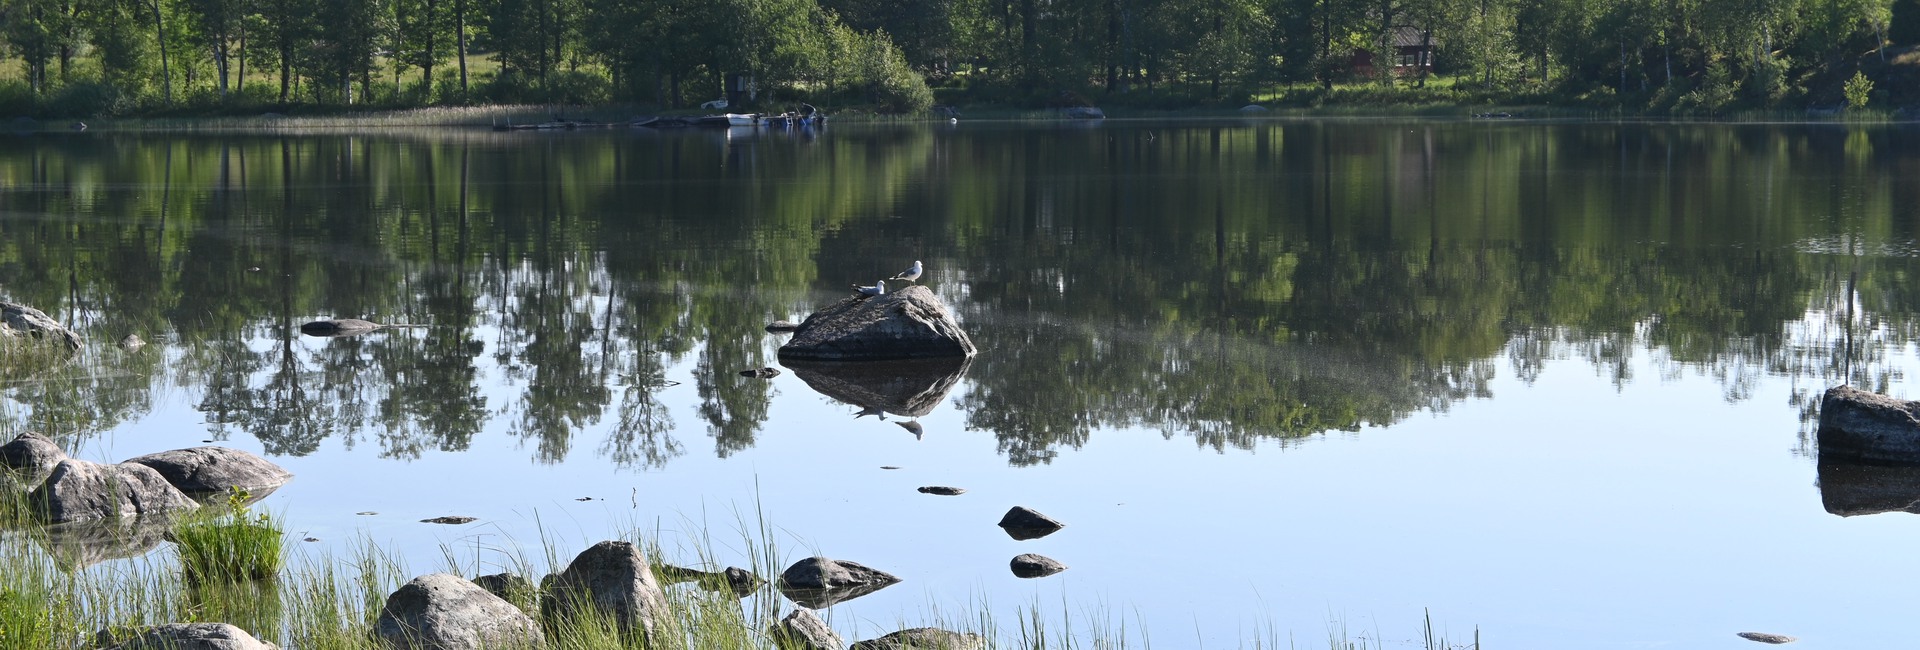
<point>1305,278</point>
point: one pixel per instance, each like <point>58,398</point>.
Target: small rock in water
<point>943,490</point>
<point>132,342</point>
<point>762,373</point>
<point>584,499</point>
<point>311,539</point>
<point>889,467</point>
<point>1029,565</point>
<point>782,326</point>
<point>369,512</point>
<point>1764,637</point>
<point>1023,523</point>
<point>449,519</point>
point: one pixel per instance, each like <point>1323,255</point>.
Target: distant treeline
<point>111,57</point>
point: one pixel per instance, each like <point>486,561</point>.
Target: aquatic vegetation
<point>233,545</point>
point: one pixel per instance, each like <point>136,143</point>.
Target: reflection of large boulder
<point>1860,425</point>
<point>80,490</point>
<point>21,321</point>
<point>911,323</point>
<point>209,472</point>
<point>904,387</point>
<point>1849,489</point>
<point>81,544</point>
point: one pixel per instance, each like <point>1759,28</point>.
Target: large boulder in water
<point>613,579</point>
<point>911,323</point>
<point>924,638</point>
<point>1865,426</point>
<point>21,321</point>
<point>30,457</point>
<point>79,490</point>
<point>442,611</point>
<point>191,636</point>
<point>209,472</point>
<point>819,582</point>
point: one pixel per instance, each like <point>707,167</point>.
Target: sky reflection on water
<point>1548,381</point>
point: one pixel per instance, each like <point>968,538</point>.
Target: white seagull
<point>875,290</point>
<point>912,273</point>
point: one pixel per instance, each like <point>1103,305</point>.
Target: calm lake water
<point>1553,382</point>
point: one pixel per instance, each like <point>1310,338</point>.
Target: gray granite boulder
<point>819,582</point>
<point>209,472</point>
<point>190,636</point>
<point>924,638</point>
<point>442,611</point>
<point>1861,425</point>
<point>803,630</point>
<point>30,457</point>
<point>1025,523</point>
<point>79,490</point>
<point>911,323</point>
<point>1030,565</point>
<point>825,573</point>
<point>613,579</point>
<point>19,321</point>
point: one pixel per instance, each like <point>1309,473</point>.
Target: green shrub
<point>234,545</point>
<point>1859,90</point>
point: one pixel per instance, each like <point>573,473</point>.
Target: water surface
<point>1551,381</point>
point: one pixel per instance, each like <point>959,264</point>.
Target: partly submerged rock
<point>819,582</point>
<point>1029,565</point>
<point>803,630</point>
<point>511,587</point>
<point>1025,523</point>
<point>943,490</point>
<point>338,327</point>
<point>80,490</point>
<point>132,343</point>
<point>904,387</point>
<point>613,579</point>
<point>21,321</point>
<point>452,520</point>
<point>442,611</point>
<point>1765,637</point>
<point>782,326</point>
<point>740,582</point>
<point>188,636</point>
<point>761,373</point>
<point>1861,425</point>
<point>912,323</point>
<point>924,638</point>
<point>212,472</point>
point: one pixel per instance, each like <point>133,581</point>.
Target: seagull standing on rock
<point>878,288</point>
<point>911,274</point>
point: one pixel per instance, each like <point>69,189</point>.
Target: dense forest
<point>114,57</point>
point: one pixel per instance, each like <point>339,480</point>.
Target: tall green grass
<point>322,601</point>
<point>232,545</point>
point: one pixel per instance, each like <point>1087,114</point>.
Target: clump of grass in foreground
<point>234,545</point>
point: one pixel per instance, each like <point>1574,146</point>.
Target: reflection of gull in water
<point>875,290</point>
<point>912,273</point>
<point>870,410</point>
<point>913,427</point>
